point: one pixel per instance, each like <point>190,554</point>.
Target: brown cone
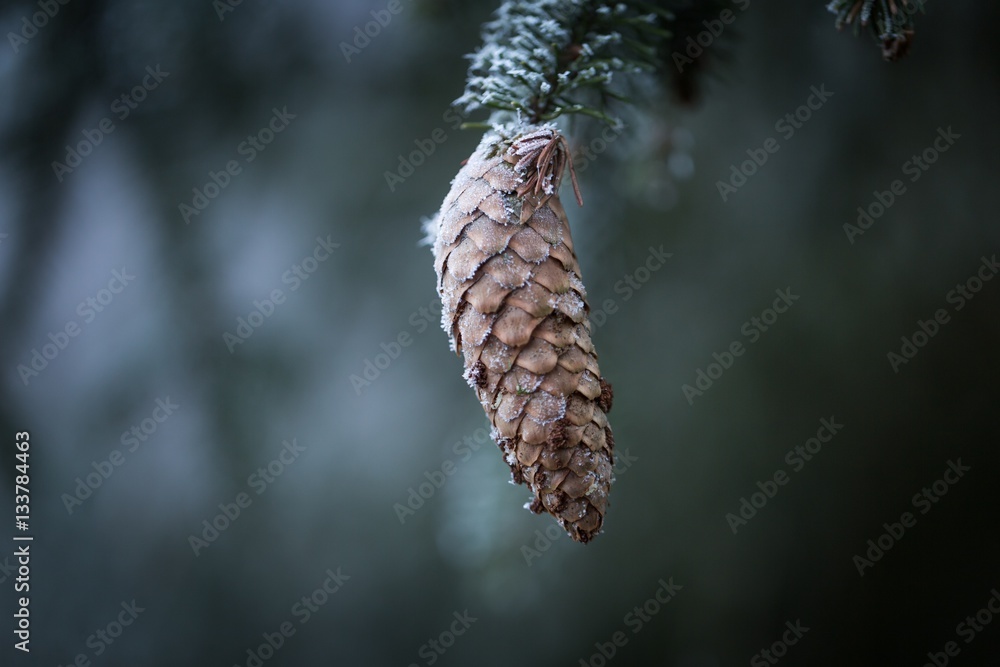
<point>515,308</point>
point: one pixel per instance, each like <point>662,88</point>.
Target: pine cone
<point>515,308</point>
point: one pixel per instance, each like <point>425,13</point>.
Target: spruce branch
<point>543,59</point>
<point>891,21</point>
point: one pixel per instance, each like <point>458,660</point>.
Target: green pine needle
<point>542,59</point>
<point>891,21</point>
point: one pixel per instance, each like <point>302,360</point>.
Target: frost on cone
<point>515,308</point>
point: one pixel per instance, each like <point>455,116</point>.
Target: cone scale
<point>515,308</point>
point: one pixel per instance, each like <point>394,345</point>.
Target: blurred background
<point>209,222</point>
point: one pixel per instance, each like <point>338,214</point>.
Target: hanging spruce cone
<point>515,308</point>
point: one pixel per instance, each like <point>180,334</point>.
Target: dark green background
<point>463,549</point>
